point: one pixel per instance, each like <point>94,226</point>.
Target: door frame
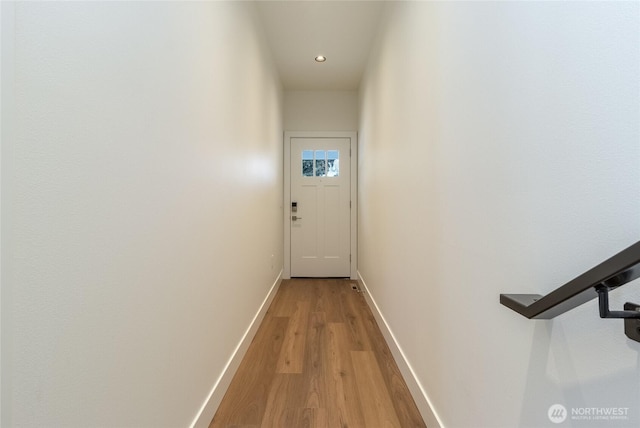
<point>353,138</point>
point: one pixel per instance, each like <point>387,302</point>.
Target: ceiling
<point>342,31</point>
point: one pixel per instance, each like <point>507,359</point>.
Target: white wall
<point>142,204</point>
<point>6,95</point>
<point>321,110</point>
<point>500,153</point>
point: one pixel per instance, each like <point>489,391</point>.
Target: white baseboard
<point>210,406</point>
<point>415,387</point>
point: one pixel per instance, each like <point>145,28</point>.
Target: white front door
<point>320,213</point>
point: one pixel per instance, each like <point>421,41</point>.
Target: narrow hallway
<point>146,210</point>
<point>318,360</point>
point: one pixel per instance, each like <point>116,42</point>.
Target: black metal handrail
<point>596,282</point>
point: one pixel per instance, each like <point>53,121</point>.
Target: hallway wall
<point>499,153</point>
<point>320,110</point>
<point>141,206</point>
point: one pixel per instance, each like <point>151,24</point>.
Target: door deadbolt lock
<point>294,207</point>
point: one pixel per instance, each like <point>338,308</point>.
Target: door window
<point>320,163</point>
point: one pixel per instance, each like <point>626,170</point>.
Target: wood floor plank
<point>375,400</point>
<point>292,353</point>
<point>305,418</point>
<point>283,304</point>
<point>316,361</point>
<point>329,298</point>
<point>346,410</point>
<point>285,394</point>
<point>356,319</point>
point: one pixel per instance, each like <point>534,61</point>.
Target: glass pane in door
<point>333,163</point>
<point>321,163</point>
<point>307,163</point>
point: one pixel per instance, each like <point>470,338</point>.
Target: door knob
<point>294,218</point>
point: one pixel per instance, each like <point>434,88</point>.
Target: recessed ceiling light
<point>321,58</point>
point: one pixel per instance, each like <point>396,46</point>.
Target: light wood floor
<point>318,360</point>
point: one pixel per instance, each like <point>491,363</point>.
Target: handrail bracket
<point>631,313</point>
